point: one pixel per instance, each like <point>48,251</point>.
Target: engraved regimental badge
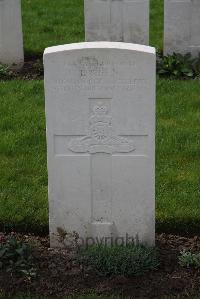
<point>101,137</point>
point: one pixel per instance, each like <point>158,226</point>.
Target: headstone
<point>11,39</point>
<point>182,27</point>
<point>100,113</point>
<point>117,20</point>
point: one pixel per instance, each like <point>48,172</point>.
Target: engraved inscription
<point>90,66</point>
<point>90,73</point>
<point>101,137</point>
<point>97,85</point>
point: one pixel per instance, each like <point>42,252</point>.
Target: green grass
<point>178,156</point>
<point>156,23</point>
<point>23,179</point>
<point>47,23</point>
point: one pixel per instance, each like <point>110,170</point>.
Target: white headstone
<point>11,39</point>
<point>100,113</point>
<point>182,27</point>
<point>117,20</point>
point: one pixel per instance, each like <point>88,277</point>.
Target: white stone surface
<point>182,27</point>
<point>100,113</point>
<point>117,21</point>
<point>11,39</point>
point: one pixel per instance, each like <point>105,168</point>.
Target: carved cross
<point>101,143</point>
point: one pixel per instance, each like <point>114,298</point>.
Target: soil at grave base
<point>59,275</point>
<point>31,70</point>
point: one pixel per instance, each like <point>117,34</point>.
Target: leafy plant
<point>188,259</point>
<point>177,66</point>
<point>5,72</point>
<point>197,66</point>
<point>16,256</point>
<point>120,260</point>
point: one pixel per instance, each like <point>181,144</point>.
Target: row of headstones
<point>128,21</point>
<point>112,20</point>
<point>100,112</point>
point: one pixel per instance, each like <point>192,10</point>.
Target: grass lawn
<point>47,23</point>
<point>178,156</point>
<point>23,180</point>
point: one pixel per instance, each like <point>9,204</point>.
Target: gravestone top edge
<point>100,45</point>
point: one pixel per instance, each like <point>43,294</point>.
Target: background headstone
<point>117,20</point>
<point>182,27</point>
<point>11,38</point>
<point>100,112</point>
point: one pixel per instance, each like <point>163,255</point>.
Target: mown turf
<point>156,23</point>
<point>178,156</point>
<point>23,179</point>
<point>47,23</point>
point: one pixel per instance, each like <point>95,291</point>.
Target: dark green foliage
<point>189,259</point>
<point>119,260</point>
<point>179,66</point>
<point>176,66</point>
<point>197,66</point>
<point>5,72</point>
<point>16,256</point>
